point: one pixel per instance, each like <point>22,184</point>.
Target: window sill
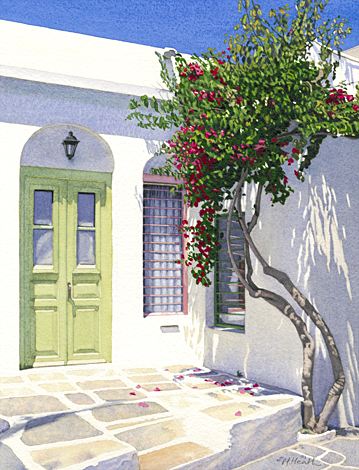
<point>227,329</point>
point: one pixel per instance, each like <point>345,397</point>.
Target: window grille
<point>163,290</point>
<point>229,292</point>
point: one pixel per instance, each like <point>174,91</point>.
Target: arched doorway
<point>65,249</point>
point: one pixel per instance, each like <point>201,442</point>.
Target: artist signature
<point>286,461</point>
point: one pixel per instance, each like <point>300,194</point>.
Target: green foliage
<point>259,105</point>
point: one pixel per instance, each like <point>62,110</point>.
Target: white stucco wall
<point>58,77</point>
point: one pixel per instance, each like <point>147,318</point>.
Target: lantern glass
<point>70,145</point>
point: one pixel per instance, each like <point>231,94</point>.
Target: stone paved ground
<point>342,453</point>
<point>103,417</point>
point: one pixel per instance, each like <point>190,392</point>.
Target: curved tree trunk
<point>283,306</point>
<point>339,377</point>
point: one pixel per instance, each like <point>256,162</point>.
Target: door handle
<point>69,290</point>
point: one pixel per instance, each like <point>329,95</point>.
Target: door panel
<point>66,259</point>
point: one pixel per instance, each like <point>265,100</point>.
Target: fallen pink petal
<point>196,370</point>
<point>179,377</point>
<point>144,405</point>
<point>248,388</point>
<point>242,391</point>
<point>255,385</point>
<point>208,380</point>
<point>191,375</point>
<point>157,389</point>
<point>227,383</point>
<point>138,386</point>
<point>166,370</point>
<point>238,413</point>
<point>132,393</point>
<point>194,387</point>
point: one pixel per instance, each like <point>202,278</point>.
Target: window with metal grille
<point>165,286</point>
<point>229,300</point>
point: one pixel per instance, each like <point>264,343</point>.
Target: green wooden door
<point>66,267</point>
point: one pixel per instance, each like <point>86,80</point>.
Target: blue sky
<point>187,25</point>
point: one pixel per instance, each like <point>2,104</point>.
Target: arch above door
<point>44,149</point>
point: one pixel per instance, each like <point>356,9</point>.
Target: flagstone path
<point>106,418</point>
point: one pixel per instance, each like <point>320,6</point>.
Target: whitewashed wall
<point>58,77</point>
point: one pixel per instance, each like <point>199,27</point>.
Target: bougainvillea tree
<point>250,113</point>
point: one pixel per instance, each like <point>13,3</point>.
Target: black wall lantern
<point>70,144</point>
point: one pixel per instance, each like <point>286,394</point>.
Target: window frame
<point>170,181</point>
<point>217,322</point>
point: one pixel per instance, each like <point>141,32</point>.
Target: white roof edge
<point>342,54</point>
<point>81,82</point>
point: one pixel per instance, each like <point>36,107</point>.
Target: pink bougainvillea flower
<point>238,413</point>
<point>144,405</point>
<point>356,107</point>
<point>216,383</point>
<point>285,180</point>
<point>295,151</point>
<point>222,385</point>
<point>157,389</point>
<point>261,142</point>
<point>296,173</point>
<point>274,140</point>
<point>291,31</point>
<point>290,161</point>
<point>132,393</point>
<point>216,190</point>
<point>138,386</point>
<point>350,97</point>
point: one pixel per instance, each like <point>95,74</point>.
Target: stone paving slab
<point>231,411</point>
<point>153,435</point>
<point>11,380</point>
<point>79,398</point>
<point>51,429</point>
<point>120,394</point>
<point>8,460</point>
<point>348,447</point>
<point>97,384</point>
<point>160,387</point>
<point>62,457</point>
<point>30,405</point>
<point>144,379</point>
<point>126,411</point>
<point>172,456</point>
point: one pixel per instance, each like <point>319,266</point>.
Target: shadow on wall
<point>327,275</point>
<point>194,330</point>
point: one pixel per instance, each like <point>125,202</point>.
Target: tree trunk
<point>339,377</point>
<point>283,306</point>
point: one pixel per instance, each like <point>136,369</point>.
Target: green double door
<point>66,267</point>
